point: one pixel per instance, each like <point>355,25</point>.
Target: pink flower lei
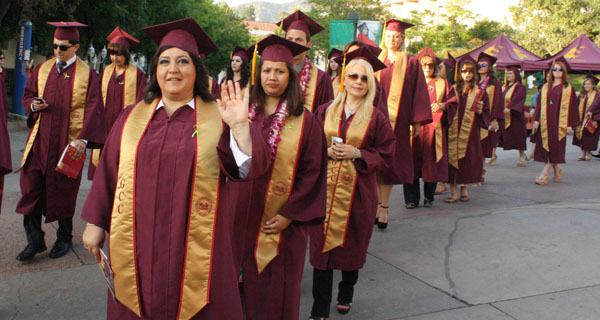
<point>305,75</point>
<point>281,114</point>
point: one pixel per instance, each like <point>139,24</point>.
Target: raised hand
<point>233,108</point>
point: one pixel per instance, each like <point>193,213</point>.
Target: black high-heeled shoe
<point>383,225</point>
<point>377,218</point>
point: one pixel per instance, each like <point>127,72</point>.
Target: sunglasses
<point>557,69</point>
<point>113,52</point>
<point>431,65</point>
<point>467,71</point>
<point>483,64</point>
<point>355,77</point>
<point>2,58</point>
<point>61,47</point>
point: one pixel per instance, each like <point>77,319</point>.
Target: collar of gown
<point>191,104</point>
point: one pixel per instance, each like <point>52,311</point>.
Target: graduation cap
<point>360,53</point>
<point>563,61</point>
<point>243,53</point>
<point>120,36</point>
<point>184,34</point>
<point>300,21</point>
<point>334,54</point>
<point>484,56</point>
<point>397,25</point>
<point>276,49</point>
<point>66,30</point>
<point>516,68</point>
<point>427,52</point>
<point>591,77</point>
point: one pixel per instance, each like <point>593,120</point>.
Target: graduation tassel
<point>456,71</point>
<point>505,72</point>
<point>343,72</point>
<point>231,55</point>
<point>382,42</point>
<point>254,61</point>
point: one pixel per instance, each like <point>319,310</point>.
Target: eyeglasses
<point>467,71</point>
<point>557,69</point>
<point>61,47</point>
<point>113,52</point>
<point>483,64</point>
<point>431,65</point>
<point>355,77</point>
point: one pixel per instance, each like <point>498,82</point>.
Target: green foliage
<point>550,25</point>
<point>248,13</point>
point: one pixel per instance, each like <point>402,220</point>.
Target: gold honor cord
<point>507,98</point>
<point>440,90</point>
<point>78,96</point>
<point>458,140</point>
<point>491,90</point>
<point>341,180</point>
<point>311,89</point>
<point>279,188</point>
<point>397,85</point>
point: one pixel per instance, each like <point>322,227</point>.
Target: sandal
<point>582,158</point>
<point>557,175</point>
<point>441,189</point>
<point>383,225</point>
<point>588,156</point>
<point>522,162</point>
<point>450,200</point>
<point>344,308</point>
<point>492,161</point>
<point>540,180</point>
<point>464,198</point>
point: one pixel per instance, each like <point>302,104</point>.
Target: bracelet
<point>355,155</point>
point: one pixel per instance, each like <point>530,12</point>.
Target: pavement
<point>516,251</point>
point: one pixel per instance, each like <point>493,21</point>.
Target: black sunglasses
<point>61,47</point>
<point>113,52</point>
<point>431,65</point>
<point>557,69</point>
<point>467,71</point>
<point>483,64</point>
<point>355,76</point>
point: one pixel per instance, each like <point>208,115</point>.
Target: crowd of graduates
<point>211,193</point>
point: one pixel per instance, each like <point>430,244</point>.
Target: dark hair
<point>152,91</point>
<point>353,43</point>
<point>121,50</point>
<point>460,81</point>
<point>245,73</point>
<point>74,42</point>
<point>292,93</point>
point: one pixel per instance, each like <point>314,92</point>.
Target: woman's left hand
<point>343,151</point>
<point>277,224</point>
<point>494,125</point>
<point>234,108</point>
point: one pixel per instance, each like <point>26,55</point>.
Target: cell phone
<point>40,100</point>
<point>336,141</point>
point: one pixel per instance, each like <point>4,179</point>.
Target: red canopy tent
<point>507,51</point>
<point>582,55</point>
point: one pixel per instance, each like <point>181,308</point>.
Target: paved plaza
<point>515,251</point>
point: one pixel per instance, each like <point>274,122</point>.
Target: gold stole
<point>490,92</point>
<point>458,141</point>
<point>440,91</point>
<point>280,187</point>
<point>129,92</point>
<point>336,86</point>
<point>341,181</point>
<point>584,105</point>
<point>563,114</point>
<point>507,99</point>
<point>201,220</point>
<point>397,85</point>
<point>311,89</point>
<point>79,84</point>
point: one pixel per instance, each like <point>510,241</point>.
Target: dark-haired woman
<point>160,188</point>
<point>465,157</point>
<point>514,130</point>
<point>122,83</point>
<point>239,68</point>
<point>556,111</point>
<point>5,159</point>
<point>491,137</point>
<point>334,70</point>
<point>290,198</point>
<point>582,137</point>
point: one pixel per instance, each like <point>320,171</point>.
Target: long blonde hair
<point>364,111</point>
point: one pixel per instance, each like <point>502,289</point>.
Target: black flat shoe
<point>596,155</point>
<point>411,205</point>
<point>427,203</point>
<point>59,249</point>
<point>29,252</point>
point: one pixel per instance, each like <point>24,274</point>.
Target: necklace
<point>281,114</point>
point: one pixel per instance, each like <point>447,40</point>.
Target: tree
<point>248,13</point>
<point>547,26</point>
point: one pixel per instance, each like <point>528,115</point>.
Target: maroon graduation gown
<point>114,102</point>
<point>215,89</point>
<point>470,168</point>
<point>275,293</point>
<point>557,148</point>
<point>377,152</point>
<point>5,158</point>
<point>589,141</point>
<point>424,147</point>
<point>45,190</point>
<point>414,108</point>
<point>496,112</point>
<point>324,90</point>
<point>166,159</point>
<point>515,137</point>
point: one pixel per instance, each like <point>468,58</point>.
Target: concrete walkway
<point>515,251</point>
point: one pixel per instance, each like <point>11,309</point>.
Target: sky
<point>491,9</point>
